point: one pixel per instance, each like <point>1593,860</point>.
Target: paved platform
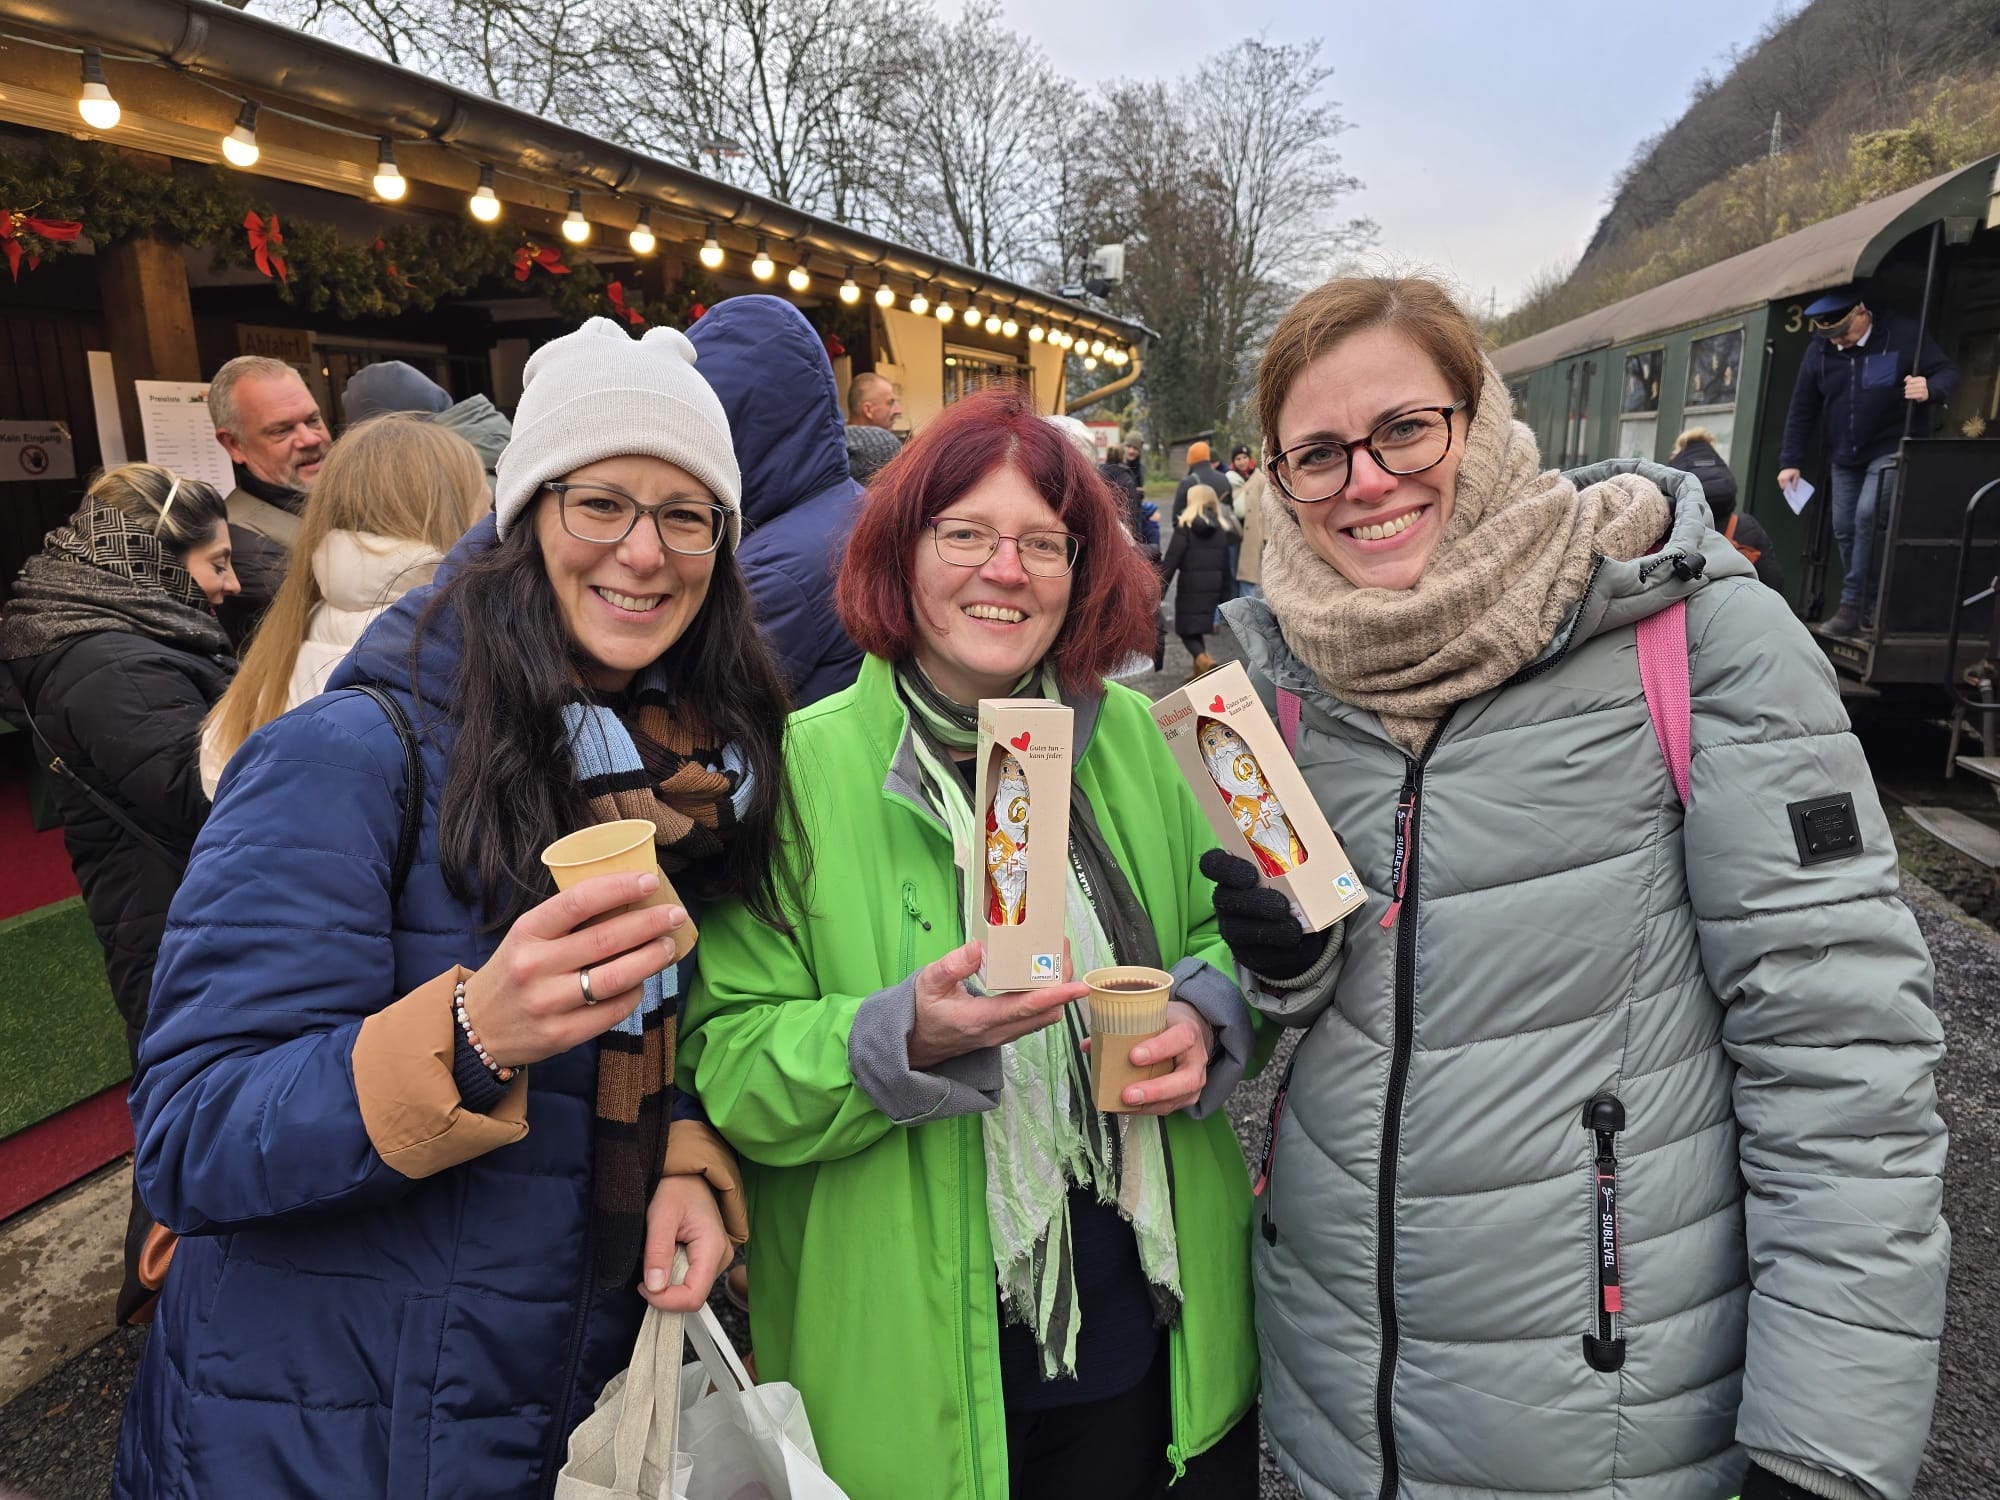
<point>60,1267</point>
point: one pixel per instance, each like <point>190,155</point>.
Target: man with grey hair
<point>270,426</point>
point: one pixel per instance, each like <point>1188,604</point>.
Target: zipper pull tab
<point>1399,871</point>
<point>910,905</point>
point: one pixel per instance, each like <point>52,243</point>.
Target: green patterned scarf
<point>1046,1134</point>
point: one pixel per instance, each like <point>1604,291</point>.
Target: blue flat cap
<point>1840,299</point>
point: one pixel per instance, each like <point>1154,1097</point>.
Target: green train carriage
<point>1720,348</point>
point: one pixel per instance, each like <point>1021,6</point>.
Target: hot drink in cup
<point>625,847</point>
<point>1127,1005</point>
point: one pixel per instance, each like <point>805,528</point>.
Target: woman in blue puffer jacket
<point>422,1150</point>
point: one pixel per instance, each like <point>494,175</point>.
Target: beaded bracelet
<point>505,1075</point>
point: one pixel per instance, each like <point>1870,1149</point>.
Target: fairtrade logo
<point>1344,884</point>
<point>1042,966</point>
<point>1020,741</point>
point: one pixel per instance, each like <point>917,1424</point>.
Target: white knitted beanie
<point>597,393</point>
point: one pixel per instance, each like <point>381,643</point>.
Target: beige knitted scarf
<point>1516,556</point>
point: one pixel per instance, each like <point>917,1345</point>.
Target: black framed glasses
<point>603,515</point>
<point>1407,443</point>
<point>968,544</point>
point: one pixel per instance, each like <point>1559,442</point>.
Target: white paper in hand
<point>1797,493</point>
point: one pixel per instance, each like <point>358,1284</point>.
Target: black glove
<point>1759,1483</point>
<point>1257,922</point>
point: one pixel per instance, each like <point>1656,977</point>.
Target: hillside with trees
<point>1836,103</point>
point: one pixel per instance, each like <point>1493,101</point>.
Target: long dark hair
<point>510,787</point>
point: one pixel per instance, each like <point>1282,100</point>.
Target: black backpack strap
<point>175,860</point>
<point>413,785</point>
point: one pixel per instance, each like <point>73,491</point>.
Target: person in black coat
<point>1695,453</point>
<point>1199,556</point>
<point>111,638</point>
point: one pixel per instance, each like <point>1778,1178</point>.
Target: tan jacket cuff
<point>409,1100</point>
<point>695,1150</point>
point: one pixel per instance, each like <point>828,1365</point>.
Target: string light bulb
<point>99,110</point>
<point>389,182</point>
<point>711,250</point>
<point>850,289</point>
<point>575,227</point>
<point>643,240</point>
<point>992,321</point>
<point>484,202</point>
<point>1036,333</point>
<point>239,147</point>
<point>944,308</point>
<point>884,297</point>
<point>799,278</point>
<point>761,265</point>
<point>1008,327</point>
<point>1097,346</point>
<point>1090,361</point>
<point>971,315</point>
<point>919,303</point>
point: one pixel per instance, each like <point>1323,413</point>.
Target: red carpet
<point>48,1157</point>
<point>34,867</point>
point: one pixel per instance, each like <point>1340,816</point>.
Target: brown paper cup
<point>1120,1019</point>
<point>621,848</point>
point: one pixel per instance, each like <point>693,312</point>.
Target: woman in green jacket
<point>981,1285</point>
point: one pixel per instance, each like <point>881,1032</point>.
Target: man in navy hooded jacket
<point>1860,375</point>
<point>765,362</point>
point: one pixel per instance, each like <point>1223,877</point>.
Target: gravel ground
<point>57,1439</point>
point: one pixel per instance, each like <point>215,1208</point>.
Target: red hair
<point>1113,589</point>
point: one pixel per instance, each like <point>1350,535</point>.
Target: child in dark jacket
<point>1695,453</point>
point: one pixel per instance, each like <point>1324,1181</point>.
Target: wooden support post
<point>148,317</point>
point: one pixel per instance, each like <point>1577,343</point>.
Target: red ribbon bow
<point>267,245</point>
<point>697,313</point>
<point>546,256</point>
<point>615,293</point>
<point>12,222</point>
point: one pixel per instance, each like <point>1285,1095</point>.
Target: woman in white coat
<point>393,496</point>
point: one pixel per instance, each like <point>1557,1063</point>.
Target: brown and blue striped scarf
<point>647,759</point>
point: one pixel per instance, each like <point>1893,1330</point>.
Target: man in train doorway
<point>1860,373</point>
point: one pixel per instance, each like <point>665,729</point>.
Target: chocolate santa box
<point>1232,755</point>
<point>1017,877</point>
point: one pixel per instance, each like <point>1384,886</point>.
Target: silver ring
<point>583,978</point>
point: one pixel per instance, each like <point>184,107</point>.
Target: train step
<point>1985,767</point>
<point>1967,835</point>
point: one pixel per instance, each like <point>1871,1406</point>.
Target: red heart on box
<point>1020,741</point>
<point>1216,706</point>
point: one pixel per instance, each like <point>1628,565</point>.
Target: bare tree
<point>974,120</point>
<point>1225,214</point>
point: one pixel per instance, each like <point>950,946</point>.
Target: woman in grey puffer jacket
<point>1610,1160</point>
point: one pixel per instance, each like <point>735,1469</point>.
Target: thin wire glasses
<point>1407,443</point>
<point>600,514</point>
<point>968,544</point>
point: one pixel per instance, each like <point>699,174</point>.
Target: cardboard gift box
<point>1018,877</point>
<point>1235,760</point>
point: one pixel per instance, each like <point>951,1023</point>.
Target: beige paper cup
<point>1127,1004</point>
<point>621,848</point>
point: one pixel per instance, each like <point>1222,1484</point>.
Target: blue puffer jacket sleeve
<point>277,948</point>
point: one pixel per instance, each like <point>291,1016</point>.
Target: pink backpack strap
<point>1288,719</point>
<point>1663,671</point>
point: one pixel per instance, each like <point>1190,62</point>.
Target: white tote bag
<point>748,1442</point>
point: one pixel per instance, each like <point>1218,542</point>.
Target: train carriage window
<point>1714,365</point>
<point>1639,405</point>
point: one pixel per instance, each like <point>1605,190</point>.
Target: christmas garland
<point>407,269</point>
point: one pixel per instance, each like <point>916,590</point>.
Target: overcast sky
<point>1487,134</point>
